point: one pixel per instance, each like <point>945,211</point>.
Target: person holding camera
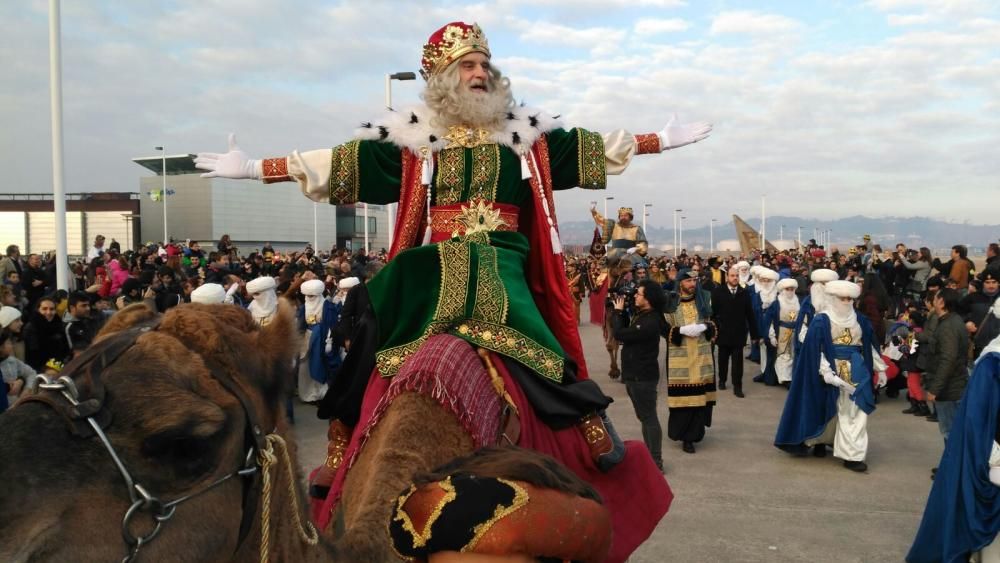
<point>640,340</point>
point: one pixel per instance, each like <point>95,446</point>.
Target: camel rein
<point>89,415</point>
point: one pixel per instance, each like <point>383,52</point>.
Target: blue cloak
<point>806,314</point>
<point>811,403</point>
<point>963,509</point>
<point>756,305</point>
<point>769,317</point>
<point>322,366</point>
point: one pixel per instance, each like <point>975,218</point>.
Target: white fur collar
<point>411,128</point>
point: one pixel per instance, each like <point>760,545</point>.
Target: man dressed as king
<point>474,176</point>
<point>622,234</point>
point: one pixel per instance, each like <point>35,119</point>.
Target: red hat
<point>450,43</point>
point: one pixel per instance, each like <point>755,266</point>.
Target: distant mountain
<point>887,231</point>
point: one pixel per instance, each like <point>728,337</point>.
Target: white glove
<point>688,330</point>
<point>329,345</point>
<point>234,164</point>
<point>995,476</point>
<point>632,250</point>
<point>676,135</point>
<point>700,328</point>
<point>832,379</point>
<point>882,379</point>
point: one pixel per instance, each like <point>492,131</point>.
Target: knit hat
<point>8,315</point>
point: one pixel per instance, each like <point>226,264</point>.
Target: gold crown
<point>451,43</point>
<point>626,210</point>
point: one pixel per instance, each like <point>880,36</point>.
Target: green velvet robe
<point>470,286</point>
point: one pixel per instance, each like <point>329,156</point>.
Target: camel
<point>169,400</point>
<point>181,399</point>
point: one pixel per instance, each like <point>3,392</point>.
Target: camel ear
<point>128,317</point>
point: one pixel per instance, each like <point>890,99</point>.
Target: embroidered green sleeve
<point>577,159</point>
<point>365,171</point>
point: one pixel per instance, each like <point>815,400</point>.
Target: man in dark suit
<point>733,315</point>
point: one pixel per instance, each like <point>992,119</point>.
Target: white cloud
<point>652,26</point>
<point>752,23</point>
<point>909,19</point>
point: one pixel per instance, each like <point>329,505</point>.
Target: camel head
<point>164,397</point>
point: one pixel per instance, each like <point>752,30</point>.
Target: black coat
<point>640,344</point>
<point>733,316</point>
<point>355,304</point>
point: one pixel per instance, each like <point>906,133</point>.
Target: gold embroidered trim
<point>420,539</point>
<point>466,137</point>
<point>275,170</point>
<point>491,296</point>
<point>344,174</point>
<point>482,330</point>
<point>455,257</point>
<point>512,343</point>
<point>471,219</point>
<point>647,143</point>
<point>592,166</point>
<point>521,499</point>
<point>485,172</point>
<point>450,176</point>
<point>686,402</point>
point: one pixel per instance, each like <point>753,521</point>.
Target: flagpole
<point>58,187</point>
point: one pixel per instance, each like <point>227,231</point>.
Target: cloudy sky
<point>830,108</point>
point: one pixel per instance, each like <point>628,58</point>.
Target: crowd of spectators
<point>44,327</point>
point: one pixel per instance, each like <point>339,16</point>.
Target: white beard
<point>817,294</point>
<point>744,277</point>
<point>768,291</point>
<point>314,307</point>
<point>788,304</point>
<point>264,305</point>
<point>842,313</point>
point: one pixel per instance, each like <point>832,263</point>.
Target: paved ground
<point>741,499</point>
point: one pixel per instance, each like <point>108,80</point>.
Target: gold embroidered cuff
<point>647,143</point>
<point>275,170</point>
<point>591,160</point>
<point>344,174</point>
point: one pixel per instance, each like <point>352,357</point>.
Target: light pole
<point>800,236</point>
<point>606,199</point>
<point>644,215</point>
<point>676,243</point>
<point>781,232</point>
<point>680,232</point>
<point>55,107</point>
<point>711,235</point>
<point>388,105</point>
<point>763,224</point>
<point>163,195</point>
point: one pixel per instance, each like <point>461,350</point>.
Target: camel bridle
<point>88,417</point>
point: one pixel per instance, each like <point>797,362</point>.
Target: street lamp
<point>606,199</point>
<point>676,211</point>
<point>388,104</point>
<point>781,232</point>
<point>800,236</point>
<point>711,235</point>
<point>680,232</point>
<point>163,195</point>
<point>644,215</point>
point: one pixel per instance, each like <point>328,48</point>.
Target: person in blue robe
<point>962,516</point>
<point>832,394</point>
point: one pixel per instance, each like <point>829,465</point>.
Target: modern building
<point>28,220</point>
<point>251,213</point>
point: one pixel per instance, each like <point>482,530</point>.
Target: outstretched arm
<point>356,171</point>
